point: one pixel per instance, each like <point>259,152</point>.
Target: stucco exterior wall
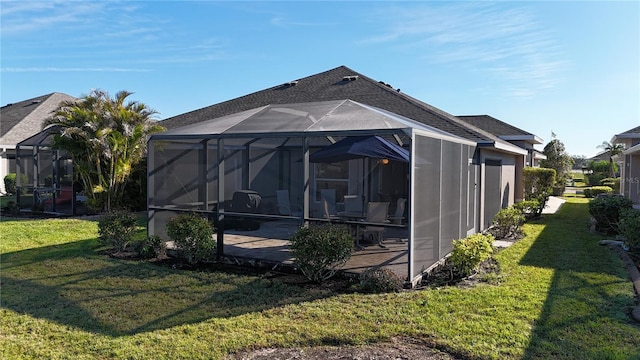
<point>489,203</point>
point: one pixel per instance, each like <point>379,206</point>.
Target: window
<point>332,176</point>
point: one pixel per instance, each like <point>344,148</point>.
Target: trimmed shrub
<point>192,234</point>
<point>320,249</point>
<point>597,190</point>
<point>629,227</point>
<point>606,211</point>
<point>11,183</point>
<point>538,185</point>
<point>528,208</point>
<point>11,208</point>
<point>469,252</point>
<point>594,179</point>
<point>116,229</point>
<point>613,183</point>
<point>507,223</point>
<point>151,247</point>
<point>380,281</point>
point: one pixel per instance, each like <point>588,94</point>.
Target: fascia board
<point>533,139</point>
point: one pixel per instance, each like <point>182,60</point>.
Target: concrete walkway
<point>553,205</point>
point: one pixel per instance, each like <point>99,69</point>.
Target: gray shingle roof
<point>21,120</point>
<point>634,131</point>
<point>493,125</point>
<point>334,84</point>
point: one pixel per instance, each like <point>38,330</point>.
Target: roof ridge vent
<point>350,78</point>
<point>291,83</point>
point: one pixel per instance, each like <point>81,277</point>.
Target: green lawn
<point>560,296</point>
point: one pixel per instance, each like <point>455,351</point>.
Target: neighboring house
<point>457,177</point>
<point>514,135</point>
<point>22,120</point>
<point>510,133</point>
<point>629,163</point>
<point>601,156</point>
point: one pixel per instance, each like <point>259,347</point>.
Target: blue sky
<point>567,67</point>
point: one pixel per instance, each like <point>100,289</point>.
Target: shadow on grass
<point>586,311</point>
<point>74,285</point>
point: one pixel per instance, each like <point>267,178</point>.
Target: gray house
<point>20,121</point>
<point>514,135</point>
<point>253,157</point>
<point>629,163</point>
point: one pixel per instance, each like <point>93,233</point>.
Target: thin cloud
<point>74,69</point>
<point>508,43</point>
<point>282,22</point>
<point>22,17</point>
<point>104,36</point>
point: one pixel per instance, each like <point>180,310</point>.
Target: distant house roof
<point>629,134</point>
<point>604,155</point>
<point>26,118</point>
<point>500,128</point>
<point>343,83</point>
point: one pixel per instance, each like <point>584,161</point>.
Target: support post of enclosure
<point>220,207</point>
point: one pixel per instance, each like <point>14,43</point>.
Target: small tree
<point>320,249</point>
<point>559,160</point>
<point>105,137</point>
<point>538,186</point>
<point>579,161</point>
<point>613,150</point>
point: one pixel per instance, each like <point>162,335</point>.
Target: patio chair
<point>284,205</point>
<point>376,213</point>
<point>398,216</point>
<point>352,204</point>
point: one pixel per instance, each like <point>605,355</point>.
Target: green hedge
<point>629,228</point>
<point>597,190</point>
<point>606,212</point>
<point>11,184</point>
<point>613,183</point>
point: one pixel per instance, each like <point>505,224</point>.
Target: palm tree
<point>613,150</point>
<point>106,138</point>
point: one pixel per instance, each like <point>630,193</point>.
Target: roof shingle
<point>338,84</point>
<point>21,120</point>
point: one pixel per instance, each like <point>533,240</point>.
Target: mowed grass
<point>560,296</point>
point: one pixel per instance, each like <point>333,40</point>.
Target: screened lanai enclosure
<point>44,180</point>
<point>405,189</point>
